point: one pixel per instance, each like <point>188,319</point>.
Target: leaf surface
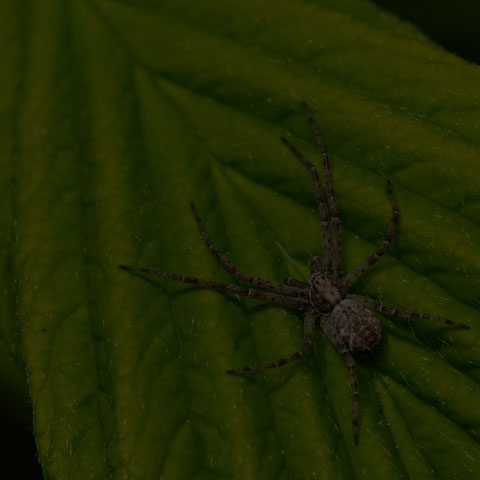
<point>117,114</point>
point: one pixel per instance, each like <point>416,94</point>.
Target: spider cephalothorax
<point>346,319</point>
<point>325,292</point>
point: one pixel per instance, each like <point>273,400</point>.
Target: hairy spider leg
<point>293,282</point>
<point>331,198</point>
<point>261,282</point>
<point>352,377</point>
<point>326,240</point>
<point>308,330</point>
<point>290,302</point>
<point>355,274</point>
<point>393,312</point>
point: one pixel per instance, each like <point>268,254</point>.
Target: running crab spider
<point>346,319</point>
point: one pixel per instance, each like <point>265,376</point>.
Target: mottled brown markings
<point>291,302</point>
<point>324,226</point>
<point>356,273</point>
<point>295,283</point>
<point>345,319</point>
<point>261,282</point>
<point>393,312</point>
<point>331,198</point>
<point>308,331</point>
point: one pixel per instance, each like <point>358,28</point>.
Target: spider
<point>346,319</point>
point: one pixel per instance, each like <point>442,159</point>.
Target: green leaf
<point>116,115</point>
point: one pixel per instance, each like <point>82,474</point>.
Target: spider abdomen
<point>353,326</point>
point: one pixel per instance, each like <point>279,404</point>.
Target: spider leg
<point>392,312</point>
<point>331,199</point>
<point>308,330</point>
<point>290,302</point>
<point>316,264</point>
<point>293,282</point>
<point>354,275</point>
<point>352,377</point>
<point>261,282</point>
<point>326,241</point>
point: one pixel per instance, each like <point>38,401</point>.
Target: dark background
<point>454,25</point>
